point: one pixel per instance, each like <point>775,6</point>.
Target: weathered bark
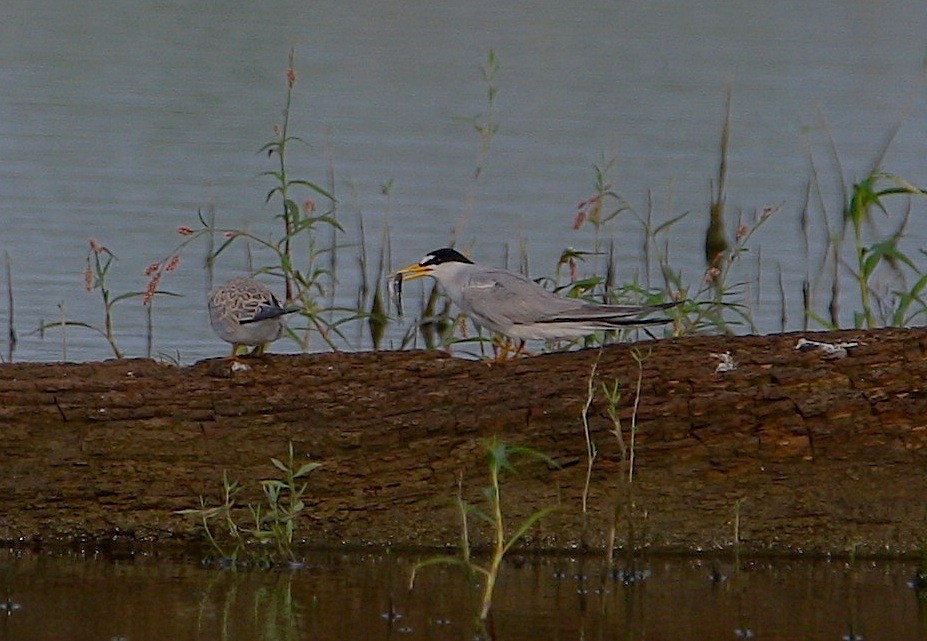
<point>814,454</point>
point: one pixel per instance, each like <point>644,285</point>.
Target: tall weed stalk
<point>10,323</point>
<point>296,254</point>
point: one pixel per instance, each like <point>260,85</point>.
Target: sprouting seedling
<point>591,451</point>
<point>284,501</point>
<point>499,461</point>
<point>626,444</point>
<point>273,522</point>
<point>612,394</point>
<point>223,513</point>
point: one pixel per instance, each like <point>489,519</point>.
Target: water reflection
<point>364,596</point>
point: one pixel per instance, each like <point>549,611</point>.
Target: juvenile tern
<point>512,304</point>
<point>243,311</point>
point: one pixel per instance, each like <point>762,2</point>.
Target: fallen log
<point>790,451</point>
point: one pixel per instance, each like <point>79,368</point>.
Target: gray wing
<point>504,298</point>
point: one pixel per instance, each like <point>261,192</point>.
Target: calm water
<point>119,120</point>
<point>350,596</point>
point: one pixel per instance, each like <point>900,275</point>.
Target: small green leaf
<point>525,526</point>
<point>306,469</point>
<point>314,187</point>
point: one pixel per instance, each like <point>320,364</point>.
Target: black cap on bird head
<point>444,255</point>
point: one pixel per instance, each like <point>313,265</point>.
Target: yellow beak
<point>414,271</point>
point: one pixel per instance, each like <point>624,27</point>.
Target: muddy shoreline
<point>795,452</point>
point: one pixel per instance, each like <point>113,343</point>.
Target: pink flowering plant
<point>98,262</point>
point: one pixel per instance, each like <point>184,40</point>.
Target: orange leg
<point>504,348</point>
